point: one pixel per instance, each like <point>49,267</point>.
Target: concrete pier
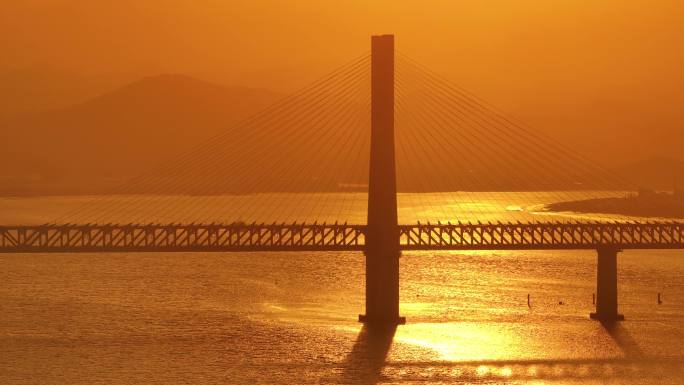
<point>606,286</point>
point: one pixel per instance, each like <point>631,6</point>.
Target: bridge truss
<point>336,237</point>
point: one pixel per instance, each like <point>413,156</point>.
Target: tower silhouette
<point>382,238</point>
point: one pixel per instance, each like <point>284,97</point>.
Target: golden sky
<point>565,64</point>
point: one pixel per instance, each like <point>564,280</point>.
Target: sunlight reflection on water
<point>291,318</point>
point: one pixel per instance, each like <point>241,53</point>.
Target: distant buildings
<point>646,194</point>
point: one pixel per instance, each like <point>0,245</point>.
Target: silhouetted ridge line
<point>468,160</point>
<point>296,135</point>
<point>206,162</point>
<point>256,179</point>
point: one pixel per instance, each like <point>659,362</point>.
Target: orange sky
<point>571,65</point>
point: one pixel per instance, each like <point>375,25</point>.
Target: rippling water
<point>291,317</point>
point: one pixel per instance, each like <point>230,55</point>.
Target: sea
<point>291,318</point>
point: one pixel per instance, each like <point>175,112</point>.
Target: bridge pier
<point>382,290</point>
<point>606,286</point>
<point>382,232</point>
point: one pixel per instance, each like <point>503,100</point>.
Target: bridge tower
<point>382,235</point>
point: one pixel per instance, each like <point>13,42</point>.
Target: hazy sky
<point>576,66</point>
<point>622,43</point>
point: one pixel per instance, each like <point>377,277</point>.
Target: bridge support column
<point>606,286</point>
<point>382,232</point>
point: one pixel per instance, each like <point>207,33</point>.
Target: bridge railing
<point>172,237</point>
<point>493,236</point>
<point>331,237</point>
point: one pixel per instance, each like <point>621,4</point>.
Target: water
<point>291,317</point>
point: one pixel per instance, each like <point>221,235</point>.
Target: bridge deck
<point>336,237</point>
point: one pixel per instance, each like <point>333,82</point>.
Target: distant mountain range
<point>94,145</point>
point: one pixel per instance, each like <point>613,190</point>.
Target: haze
<point>341,192</point>
<point>584,72</point>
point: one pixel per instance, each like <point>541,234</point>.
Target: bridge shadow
<point>623,339</point>
<point>367,358</point>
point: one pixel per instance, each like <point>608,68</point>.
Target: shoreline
<point>655,205</point>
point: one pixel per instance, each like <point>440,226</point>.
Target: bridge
<point>72,238</point>
<point>382,238</point>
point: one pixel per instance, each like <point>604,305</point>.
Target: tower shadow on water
<point>368,356</point>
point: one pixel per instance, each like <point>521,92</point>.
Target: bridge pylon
<point>382,235</point>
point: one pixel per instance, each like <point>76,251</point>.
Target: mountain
<point>94,145</point>
<point>97,145</point>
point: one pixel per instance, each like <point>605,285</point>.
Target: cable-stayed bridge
<point>446,151</point>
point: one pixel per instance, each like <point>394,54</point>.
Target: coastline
<point>652,205</point>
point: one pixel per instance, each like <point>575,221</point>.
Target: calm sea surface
<point>290,318</point>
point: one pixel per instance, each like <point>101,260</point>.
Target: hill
<point>92,146</point>
<point>95,146</point>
